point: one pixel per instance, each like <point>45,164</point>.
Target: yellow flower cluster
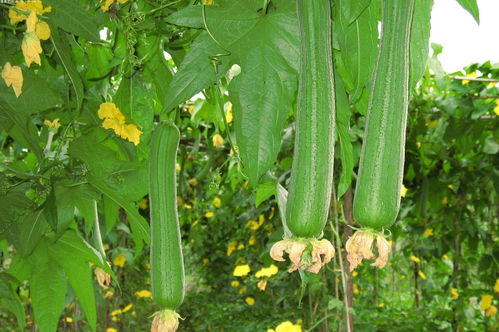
<point>114,119</point>
<point>286,326</point>
<point>472,75</point>
<point>107,4</point>
<point>233,246</point>
<point>267,271</point>
<point>121,311</point>
<point>428,232</point>
<point>13,76</point>
<point>415,259</point>
<point>36,29</point>
<point>254,225</point>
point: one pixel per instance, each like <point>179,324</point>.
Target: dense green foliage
<point>75,148</point>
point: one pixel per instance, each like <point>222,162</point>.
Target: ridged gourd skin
<point>167,266</point>
<point>377,194</point>
<point>311,181</point>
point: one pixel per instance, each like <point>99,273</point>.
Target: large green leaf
<point>48,286</point>
<point>267,49</point>
<point>472,8</point>
<point>36,95</point>
<point>420,40</point>
<point>64,53</point>
<point>196,72</point>
<point>80,277</point>
<point>262,96</point>
<point>140,227</point>
<point>357,42</point>
<point>352,9</point>
<point>70,15</point>
<point>343,114</point>
<point>27,232</point>
<point>11,301</point>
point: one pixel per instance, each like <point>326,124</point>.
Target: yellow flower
<point>217,140</point>
<point>403,191</point>
<point>69,319</point>
<point>13,75</point>
<point>486,302</point>
<point>492,311</point>
<point>209,214</point>
<point>205,261</point>
<point>422,275</point>
<point>355,273</point>
<point>108,295</point>
<point>445,257</point>
<point>54,124</point>
<point>42,30</point>
<point>143,204</point>
<point>381,305</point>
<point>267,271</point>
<point>187,206</point>
<point>27,6</point>
<point>496,286</point>
<point>107,4</point>
<point>234,283</point>
<point>111,329</point>
<point>143,294</point>
<point>430,123</point>
<point>262,284</point>
<point>445,200</point>
<point>496,109</point>
<point>356,289</point>
<point>31,49</point>
<point>103,278</point>
<point>232,246</point>
<point>114,119</point>
<point>271,215</point>
<point>119,260</point>
<point>207,2</point>
<point>127,308</point>
<point>428,232</point>
<point>415,259</point>
<point>242,290</point>
<point>241,270</point>
<point>250,301</point>
<point>287,326</point>
<point>228,115</point>
<point>252,240</point>
<point>177,167</point>
<point>217,202</point>
<point>473,75</point>
<point>240,246</point>
<point>454,293</point>
<point>193,182</point>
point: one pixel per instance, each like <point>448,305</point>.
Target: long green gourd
<point>167,266</point>
<point>313,157</point>
<point>377,195</point>
<point>311,181</point>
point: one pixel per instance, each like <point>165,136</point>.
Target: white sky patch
<point>464,41</point>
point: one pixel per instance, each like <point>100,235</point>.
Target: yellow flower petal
<point>13,75</point>
<point>496,286</point>
<point>209,214</point>
<point>496,109</point>
<point>492,311</point>
<point>473,75</point>
<point>27,6</point>
<point>131,133</point>
<point>422,275</point>
<point>234,283</point>
<point>69,319</point>
<point>127,308</point>
<point>42,30</point>
<point>31,49</point>
<point>228,115</point>
<point>267,271</point>
<point>217,140</point>
<point>241,270</point>
<point>111,329</point>
<point>486,302</point>
<point>52,124</point>
<point>262,284</point>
